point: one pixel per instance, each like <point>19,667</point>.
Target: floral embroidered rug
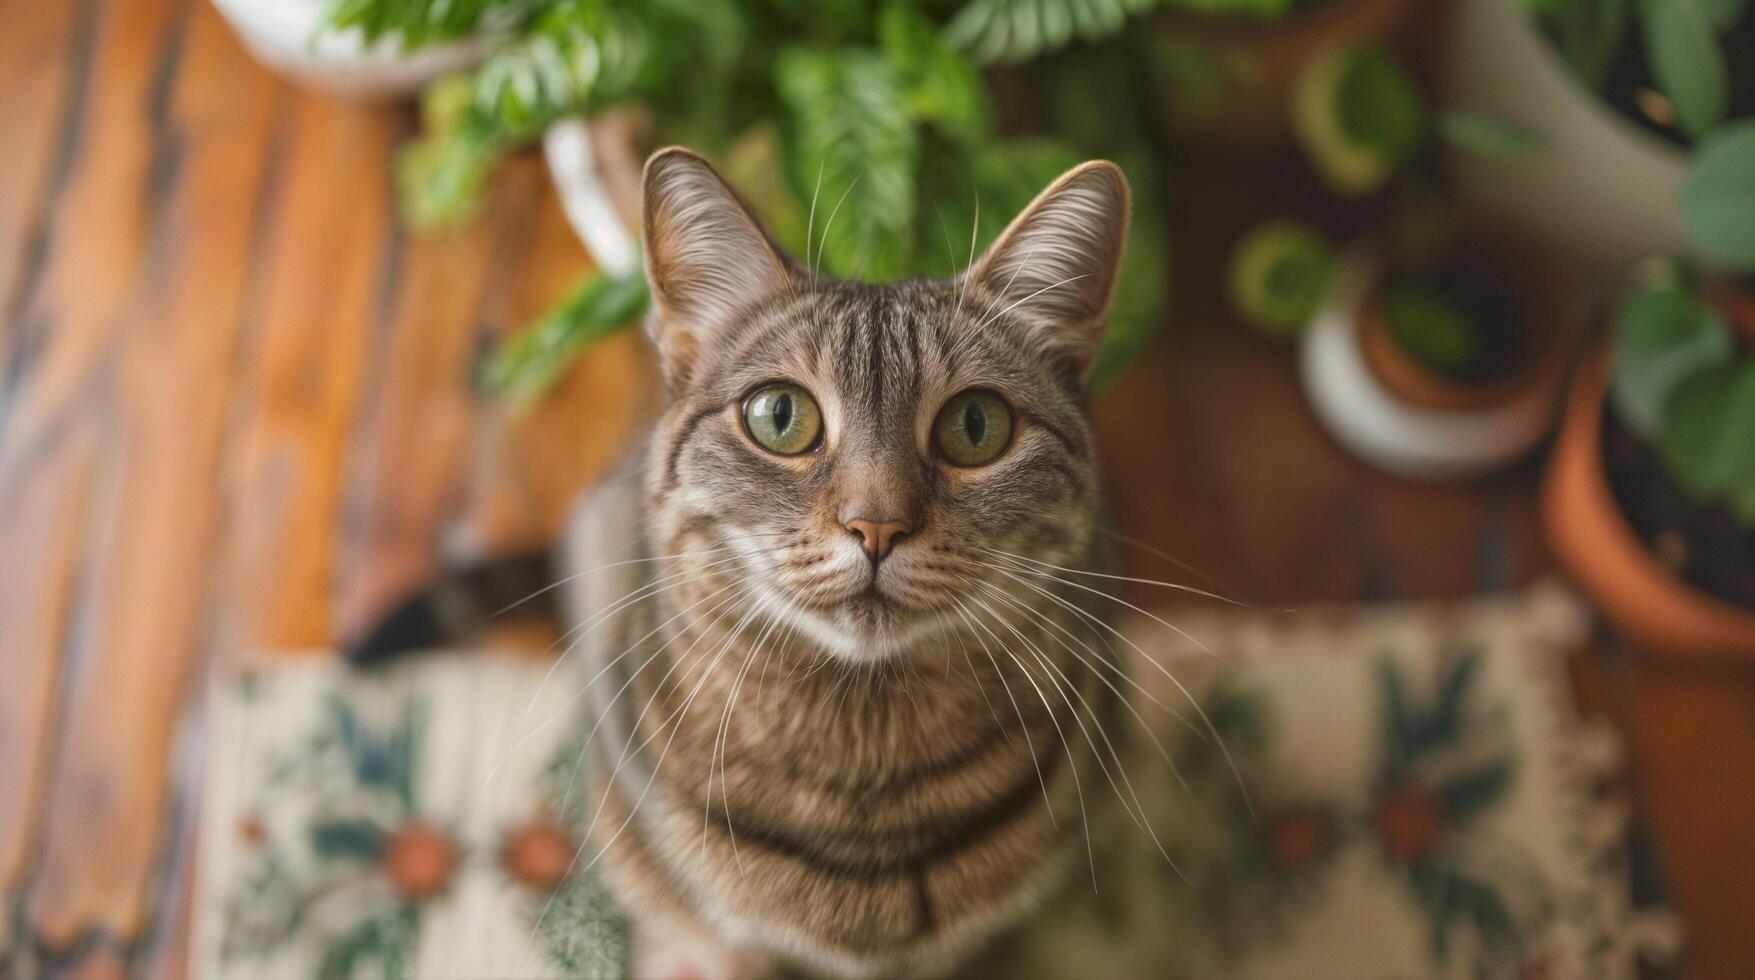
<point>1403,792</point>
<point>417,822</point>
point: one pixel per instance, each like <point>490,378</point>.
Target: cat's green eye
<point>973,428</point>
<point>783,418</point>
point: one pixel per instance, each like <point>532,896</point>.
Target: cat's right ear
<point>707,258</point>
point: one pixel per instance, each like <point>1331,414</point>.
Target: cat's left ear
<point>707,258</point>
<point>1056,264</point>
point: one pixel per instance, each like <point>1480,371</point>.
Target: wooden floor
<point>235,415</point>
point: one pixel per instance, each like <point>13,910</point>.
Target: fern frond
<point>420,22</point>
<point>849,123</point>
<point>1003,31</point>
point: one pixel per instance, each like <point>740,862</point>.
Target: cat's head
<point>865,462</point>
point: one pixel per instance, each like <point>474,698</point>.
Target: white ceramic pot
<point>1378,426</point>
<point>287,35</point>
<point>1600,191</point>
<point>598,205</point>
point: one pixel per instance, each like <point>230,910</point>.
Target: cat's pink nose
<point>878,537</point>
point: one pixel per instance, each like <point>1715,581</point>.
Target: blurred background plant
<point>1685,70</point>
<point>868,127</point>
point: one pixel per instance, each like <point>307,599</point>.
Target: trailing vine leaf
<point>530,363</point>
<point>1014,30</point>
<point>1718,195</point>
<point>420,22</point>
<point>848,123</point>
<point>1686,62</point>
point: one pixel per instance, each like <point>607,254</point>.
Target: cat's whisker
<point>974,233</point>
<point>1200,712</point>
<point>1026,299</point>
<point>810,223</point>
<point>1016,566</point>
<point>1046,620</point>
<point>627,753</point>
<point>720,747</point>
<point>831,222</point>
<point>1121,578</point>
<point>1070,691</point>
<point>566,708</point>
<point>995,298</point>
<point>668,583</point>
<point>1023,726</point>
<point>602,568</point>
<point>974,676</point>
<point>1157,552</point>
<point>609,705</point>
<point>1141,819</point>
<point>1053,718</point>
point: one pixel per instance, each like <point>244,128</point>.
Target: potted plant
<point>1229,67</point>
<point>1649,499</point>
<point>337,46</point>
<point>867,131</point>
<point>1640,104</point>
<point>1430,350</point>
<point>1440,366</point>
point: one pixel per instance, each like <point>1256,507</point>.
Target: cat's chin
<point>866,630</point>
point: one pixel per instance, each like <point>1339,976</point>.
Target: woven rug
<point>1400,792</point>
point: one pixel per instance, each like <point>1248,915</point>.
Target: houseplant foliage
<point>874,113</point>
<point>1685,69</point>
<point>1681,386</point>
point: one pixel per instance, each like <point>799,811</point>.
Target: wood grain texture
<point>236,414</point>
<point>162,417</point>
<point>44,57</point>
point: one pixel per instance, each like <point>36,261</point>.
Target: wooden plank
<point>413,456</point>
<point>42,525</point>
<point>321,279</point>
<point>1692,734</point>
<point>530,466</point>
<point>43,60</point>
<point>51,450</point>
<point>162,420</point>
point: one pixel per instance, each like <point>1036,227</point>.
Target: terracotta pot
<point>1247,68</point>
<point>1397,415</point>
<point>1418,384</point>
<point>1592,540</point>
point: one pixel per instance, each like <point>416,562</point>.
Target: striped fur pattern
<point>859,768</point>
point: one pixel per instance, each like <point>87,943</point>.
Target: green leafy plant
<point>1682,386</point>
<point>1699,57</point>
<point>877,112</point>
<point>1366,129</point>
<point>1431,327</point>
<point>1361,119</point>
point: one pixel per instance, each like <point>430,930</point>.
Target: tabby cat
<point>845,722</point>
